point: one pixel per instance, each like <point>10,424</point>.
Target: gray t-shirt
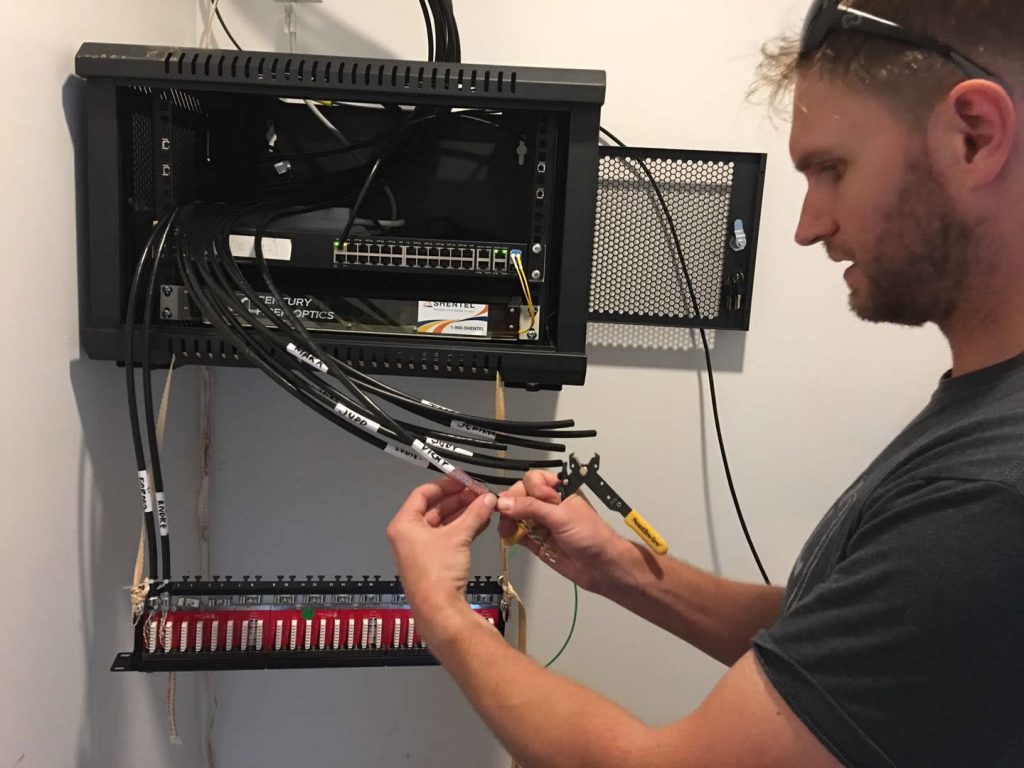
<point>901,638</point>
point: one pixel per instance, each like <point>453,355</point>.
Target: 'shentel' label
<point>452,319</point>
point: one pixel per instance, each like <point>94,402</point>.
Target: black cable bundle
<point>214,279</point>
<point>198,233</point>
<point>153,496</point>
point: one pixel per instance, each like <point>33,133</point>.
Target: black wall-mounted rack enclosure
<point>171,126</point>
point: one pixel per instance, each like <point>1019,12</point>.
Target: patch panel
<point>286,623</point>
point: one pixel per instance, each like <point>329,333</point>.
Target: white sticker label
<point>439,407</point>
<point>452,318</point>
<point>471,429</point>
<point>307,358</point>
<point>161,513</point>
<point>448,447</point>
<point>406,454</point>
<point>274,248</point>
<point>365,424</point>
<point>146,491</point>
<point>434,457</point>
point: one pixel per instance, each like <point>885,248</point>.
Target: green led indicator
<point>307,613</point>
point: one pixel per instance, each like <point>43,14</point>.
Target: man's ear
<point>972,133</point>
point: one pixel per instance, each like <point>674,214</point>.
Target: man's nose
<point>816,223</point>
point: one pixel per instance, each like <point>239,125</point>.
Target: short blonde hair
<point>911,80</point>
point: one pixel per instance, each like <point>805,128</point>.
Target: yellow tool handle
<point>646,532</point>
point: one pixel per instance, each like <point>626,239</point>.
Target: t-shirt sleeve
<point>910,652</point>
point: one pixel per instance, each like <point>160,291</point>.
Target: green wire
<point>575,612</point>
<point>572,627</point>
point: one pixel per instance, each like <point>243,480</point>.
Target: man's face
<point>873,199</point>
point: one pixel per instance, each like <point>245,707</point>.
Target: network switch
<point>390,253</point>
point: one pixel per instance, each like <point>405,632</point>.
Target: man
<point>900,637</point>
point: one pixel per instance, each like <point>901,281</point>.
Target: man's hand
<point>586,545</point>
<point>430,538</point>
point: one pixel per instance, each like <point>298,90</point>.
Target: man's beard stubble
<point>920,257</point>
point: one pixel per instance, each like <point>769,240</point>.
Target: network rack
<point>506,169</point>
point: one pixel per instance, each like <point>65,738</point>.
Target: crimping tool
<point>575,475</point>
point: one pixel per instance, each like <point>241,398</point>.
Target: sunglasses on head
<point>827,16</point>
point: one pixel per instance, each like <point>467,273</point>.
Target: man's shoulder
<point>983,442</point>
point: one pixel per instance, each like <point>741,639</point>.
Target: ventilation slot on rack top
<point>358,74</point>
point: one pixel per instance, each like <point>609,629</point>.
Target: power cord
<point>707,353</point>
<point>223,24</point>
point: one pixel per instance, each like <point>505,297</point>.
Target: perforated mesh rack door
<point>636,276</point>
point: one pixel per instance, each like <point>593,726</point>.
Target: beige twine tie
<point>509,592</point>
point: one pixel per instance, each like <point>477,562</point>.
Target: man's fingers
<point>516,489</point>
<point>476,516</point>
<point>541,484</point>
<point>427,496</point>
<point>506,526</point>
<point>529,508</point>
<point>448,506</point>
<point>537,483</point>
<point>529,544</point>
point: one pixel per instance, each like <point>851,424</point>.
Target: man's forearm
<point>716,615</point>
<point>542,719</point>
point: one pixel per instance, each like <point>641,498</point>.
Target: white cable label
<point>449,447</point>
<point>406,454</point>
<point>274,248</point>
<point>307,358</point>
<point>365,424</point>
<point>439,407</point>
<point>161,513</point>
<point>434,457</point>
<point>146,491</point>
<point>470,429</point>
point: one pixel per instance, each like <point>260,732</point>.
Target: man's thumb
<point>527,508</point>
